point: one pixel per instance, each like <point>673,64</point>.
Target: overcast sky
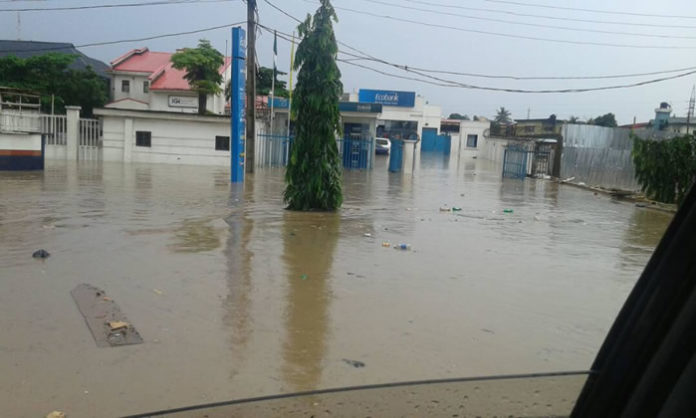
<point>429,47</point>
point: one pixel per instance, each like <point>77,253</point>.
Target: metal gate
<point>543,160</point>
<point>515,162</point>
<point>90,139</point>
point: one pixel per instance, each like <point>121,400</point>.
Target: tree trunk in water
<point>202,103</point>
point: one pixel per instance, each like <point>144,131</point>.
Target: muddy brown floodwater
<point>236,297</point>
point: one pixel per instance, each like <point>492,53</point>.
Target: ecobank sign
<point>388,97</point>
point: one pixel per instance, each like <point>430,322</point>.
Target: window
<point>471,141</point>
<point>143,139</point>
<point>529,129</point>
<point>125,86</point>
<point>146,86</point>
<point>222,143</point>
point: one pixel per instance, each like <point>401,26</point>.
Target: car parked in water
<point>382,145</point>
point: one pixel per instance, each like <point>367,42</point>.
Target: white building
<point>145,80</point>
<point>403,113</point>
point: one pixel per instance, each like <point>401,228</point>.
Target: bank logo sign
<point>388,97</point>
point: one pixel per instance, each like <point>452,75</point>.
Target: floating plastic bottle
<point>403,247</point>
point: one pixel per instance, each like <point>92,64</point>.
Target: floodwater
<point>236,297</point>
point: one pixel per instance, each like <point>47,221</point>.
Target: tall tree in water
<point>202,66</point>
<point>313,176</point>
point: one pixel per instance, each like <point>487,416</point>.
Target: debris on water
<point>536,218</point>
<point>508,211</point>
<point>48,226</point>
<point>354,363</point>
<point>456,209</point>
<point>402,247</point>
<point>157,291</point>
<point>444,209</point>
<point>640,205</point>
<point>568,179</point>
<point>386,244</point>
<point>367,235</point>
<point>41,254</point>
<point>303,277</point>
<point>116,325</point>
<point>582,183</point>
<point>56,414</point>
<point>109,326</point>
<point>461,194</point>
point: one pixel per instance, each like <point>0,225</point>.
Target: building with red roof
<point>145,80</point>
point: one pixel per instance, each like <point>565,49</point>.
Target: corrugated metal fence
<point>598,156</point>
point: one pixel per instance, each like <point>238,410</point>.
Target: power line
<point>283,11</point>
<point>450,83</point>
<point>536,16</point>
<point>168,35</point>
<point>365,56</point>
<point>546,6</point>
<point>111,6</point>
<point>513,36</point>
<point>539,25</point>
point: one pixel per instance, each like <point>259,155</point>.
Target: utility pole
<point>250,145</point>
<point>690,113</point>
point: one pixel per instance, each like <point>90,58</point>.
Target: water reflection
<point>309,241</point>
<point>238,302</point>
<point>644,229</point>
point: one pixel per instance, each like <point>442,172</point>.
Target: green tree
<point>665,169</point>
<point>49,75</point>
<point>202,66</point>
<point>313,176</point>
<point>264,83</point>
<point>573,119</point>
<point>608,120</point>
<point>503,116</point>
<point>458,116</point>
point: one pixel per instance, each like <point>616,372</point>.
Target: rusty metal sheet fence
<point>598,156</point>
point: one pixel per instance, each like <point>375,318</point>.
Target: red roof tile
<point>162,75</point>
<point>142,61</point>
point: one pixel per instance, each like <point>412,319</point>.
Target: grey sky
<point>427,47</point>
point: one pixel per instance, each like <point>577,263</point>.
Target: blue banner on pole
<point>388,97</point>
<point>237,105</point>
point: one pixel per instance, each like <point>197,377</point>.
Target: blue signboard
<point>388,97</point>
<point>237,102</point>
<point>359,107</point>
<point>281,103</point>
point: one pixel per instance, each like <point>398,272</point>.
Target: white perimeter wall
<point>20,142</point>
<point>178,139</point>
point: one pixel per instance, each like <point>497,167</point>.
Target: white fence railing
<point>20,122</point>
<point>90,132</point>
<point>55,127</point>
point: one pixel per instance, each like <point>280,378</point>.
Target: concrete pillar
<point>73,132</point>
<point>128,140</point>
<point>409,155</point>
<point>455,148</point>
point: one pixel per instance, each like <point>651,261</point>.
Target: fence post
<point>73,131</point>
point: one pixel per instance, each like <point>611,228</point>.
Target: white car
<point>382,145</point>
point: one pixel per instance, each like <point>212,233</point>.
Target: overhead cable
<point>537,25</point>
<point>111,6</point>
<point>549,17</point>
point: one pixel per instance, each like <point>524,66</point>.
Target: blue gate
<point>432,142</point>
<point>357,153</point>
<point>515,162</point>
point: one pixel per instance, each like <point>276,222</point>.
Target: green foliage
<point>264,82</point>
<point>665,169</point>
<point>503,116</point>
<point>202,66</point>
<point>458,116</point>
<point>608,120</point>
<point>313,176</point>
<point>48,74</point>
<point>573,119</point>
